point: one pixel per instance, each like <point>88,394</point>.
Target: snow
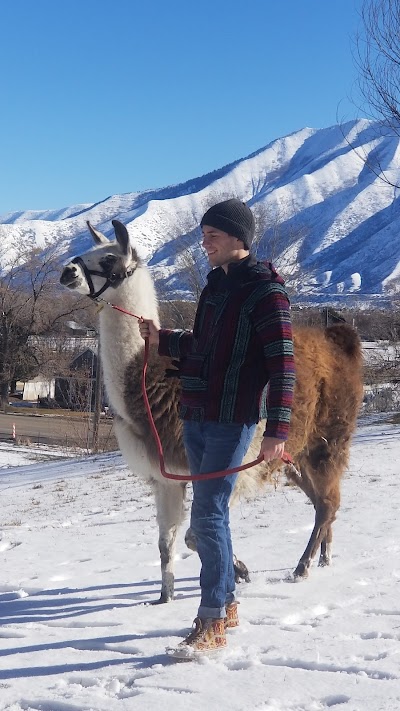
<point>328,211</point>
<point>80,565</point>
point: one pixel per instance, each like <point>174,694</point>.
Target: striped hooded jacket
<point>237,363</point>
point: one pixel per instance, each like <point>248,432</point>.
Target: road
<point>55,430</point>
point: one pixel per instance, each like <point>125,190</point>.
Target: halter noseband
<point>111,279</point>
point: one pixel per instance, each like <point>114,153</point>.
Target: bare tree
<point>377,57</point>
<point>192,263</point>
<point>189,258</point>
<point>378,60</point>
<point>269,233</point>
<point>278,238</point>
<point>30,304</point>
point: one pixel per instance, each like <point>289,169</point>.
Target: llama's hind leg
<point>169,502</point>
<point>301,479</point>
<point>325,511</point>
<point>321,471</point>
<point>325,557</point>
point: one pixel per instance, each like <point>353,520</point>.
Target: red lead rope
<point>286,458</point>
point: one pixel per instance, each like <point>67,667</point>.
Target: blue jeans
<point>214,446</point>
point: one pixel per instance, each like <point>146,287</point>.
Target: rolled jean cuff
<point>216,613</point>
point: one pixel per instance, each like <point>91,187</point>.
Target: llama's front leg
<point>169,502</point>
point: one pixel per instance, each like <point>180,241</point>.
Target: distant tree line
<point>33,304</point>
<point>371,324</point>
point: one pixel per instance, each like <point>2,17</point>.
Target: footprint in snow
<point>8,545</point>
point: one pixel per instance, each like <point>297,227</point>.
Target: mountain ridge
<point>327,217</point>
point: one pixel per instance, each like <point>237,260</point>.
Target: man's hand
<point>148,329</point>
<point>272,448</point>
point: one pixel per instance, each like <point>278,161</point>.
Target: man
<point>241,341</point>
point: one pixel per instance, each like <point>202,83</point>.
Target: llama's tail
<point>346,338</point>
<point>250,482</point>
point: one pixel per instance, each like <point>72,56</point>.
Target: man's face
<point>221,248</point>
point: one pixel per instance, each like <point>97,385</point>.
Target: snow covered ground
<point>79,565</point>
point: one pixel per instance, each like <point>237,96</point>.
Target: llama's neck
<point>120,339</point>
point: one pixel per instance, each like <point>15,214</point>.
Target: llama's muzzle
<point>69,276</point>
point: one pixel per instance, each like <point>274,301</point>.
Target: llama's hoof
<point>241,571</point>
<point>324,561</point>
<point>161,600</point>
<point>301,572</point>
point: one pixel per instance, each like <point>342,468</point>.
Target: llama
<point>327,396</point>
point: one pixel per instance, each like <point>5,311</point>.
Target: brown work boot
<point>232,618</point>
<point>207,635</point>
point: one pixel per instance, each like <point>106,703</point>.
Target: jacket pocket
<point>193,373</point>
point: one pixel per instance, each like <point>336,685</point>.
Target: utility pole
<point>98,389</point>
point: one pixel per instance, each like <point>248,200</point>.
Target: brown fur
<point>327,398</point>
<point>163,394</point>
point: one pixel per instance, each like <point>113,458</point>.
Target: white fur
<point>120,340</point>
<point>119,334</point>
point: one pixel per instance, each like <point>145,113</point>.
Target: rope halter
<point>111,278</point>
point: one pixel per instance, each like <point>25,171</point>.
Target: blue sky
<point>106,96</point>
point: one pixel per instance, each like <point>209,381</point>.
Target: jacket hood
<point>246,271</point>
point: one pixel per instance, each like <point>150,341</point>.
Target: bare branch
<point>377,57</point>
<point>31,303</point>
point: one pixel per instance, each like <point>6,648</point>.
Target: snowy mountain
<point>326,217</point>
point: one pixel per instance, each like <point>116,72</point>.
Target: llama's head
<point>104,266</point>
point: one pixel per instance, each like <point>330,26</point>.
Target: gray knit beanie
<point>234,217</point>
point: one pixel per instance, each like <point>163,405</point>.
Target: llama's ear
<point>98,237</point>
<point>122,236</point>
